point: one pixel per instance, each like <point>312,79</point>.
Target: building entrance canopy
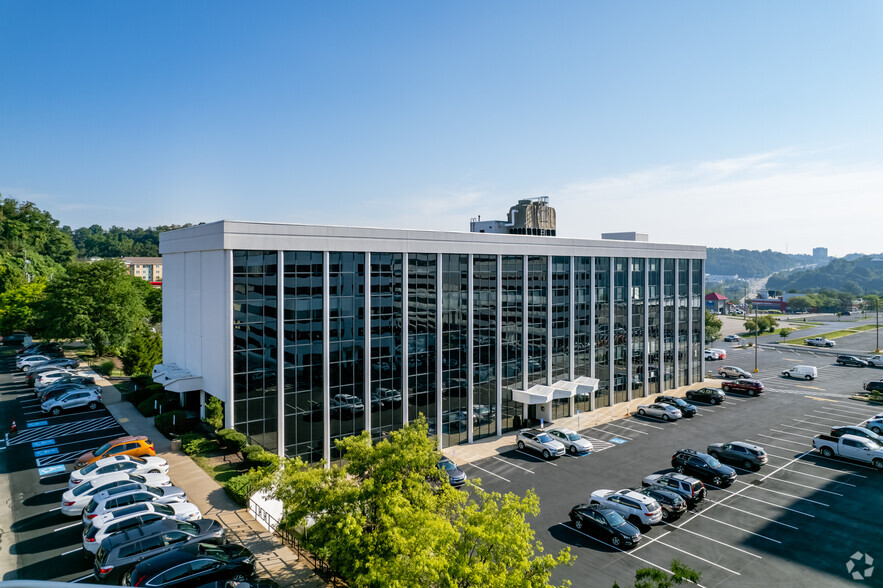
<point>175,378</point>
<point>539,394</point>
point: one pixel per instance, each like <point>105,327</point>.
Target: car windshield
<point>213,551</point>
<point>80,490</point>
<point>680,402</point>
<point>138,460</point>
<point>188,528</point>
<point>155,490</point>
<point>89,468</point>
<point>164,509</point>
<point>447,465</point>
<point>573,437</point>
<point>614,518</point>
<point>101,449</point>
<point>712,462</point>
<point>872,444</point>
<point>544,438</point>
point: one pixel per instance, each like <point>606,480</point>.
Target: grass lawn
<point>844,332</point>
<point>220,464</point>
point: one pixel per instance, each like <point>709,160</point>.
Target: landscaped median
<point>839,333</point>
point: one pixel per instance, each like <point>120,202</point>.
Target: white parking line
<point>755,515</point>
<point>824,426</point>
<point>615,434</point>
<point>72,551</point>
<point>472,465</point>
<point>707,538</point>
<point>78,523</point>
<point>514,465</point>
<point>536,458</point>
<point>747,485</point>
<point>83,578</point>
<point>810,487</point>
<point>821,417</point>
<point>640,432</point>
<point>54,509</point>
<point>819,477</point>
<point>765,502</point>
<point>630,554</point>
<point>700,558</point>
<point>803,443</point>
<point>649,541</point>
<point>801,435</point>
<point>816,431</point>
<point>815,465</point>
<point>638,422</point>
<point>851,413</point>
<point>699,514</point>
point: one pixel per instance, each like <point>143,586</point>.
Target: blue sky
<point>741,124</point>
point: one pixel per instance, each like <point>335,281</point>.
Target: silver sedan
<point>665,412</point>
<point>573,441</point>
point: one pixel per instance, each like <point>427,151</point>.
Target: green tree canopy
<point>713,327</point>
<point>98,302</point>
<point>144,350</point>
<point>18,307</point>
<point>388,517</point>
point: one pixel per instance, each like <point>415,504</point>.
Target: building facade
<point>309,334</point>
<point>146,268</point>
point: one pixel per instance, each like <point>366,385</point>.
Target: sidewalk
<point>274,559</point>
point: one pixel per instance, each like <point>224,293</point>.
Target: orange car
<point>134,446</point>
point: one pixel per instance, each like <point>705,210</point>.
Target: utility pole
<point>877,311</point>
<point>756,329</point>
<point>27,273</point>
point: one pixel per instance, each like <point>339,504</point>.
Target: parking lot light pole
<point>756,328</point>
<point>877,311</point>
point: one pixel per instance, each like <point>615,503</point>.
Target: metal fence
<point>319,566</point>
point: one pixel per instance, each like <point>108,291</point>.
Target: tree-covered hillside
<point>751,264</point>
<point>30,237</point>
<point>859,276</point>
<point>95,241</point>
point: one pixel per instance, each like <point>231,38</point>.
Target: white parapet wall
<point>266,510</point>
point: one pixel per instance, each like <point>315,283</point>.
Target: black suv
<point>874,386</point>
<point>851,360</point>
<point>703,466</point>
<point>193,564</point>
<point>709,395</point>
<point>687,409</point>
<point>605,524</point>
<point>673,505</point>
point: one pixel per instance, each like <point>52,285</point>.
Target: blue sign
<point>541,423</point>
<point>36,444</point>
<point>618,441</point>
<point>37,424</point>
<point>43,452</point>
<point>56,469</point>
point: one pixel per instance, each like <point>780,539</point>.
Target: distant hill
<point>751,264</point>
<point>857,276</point>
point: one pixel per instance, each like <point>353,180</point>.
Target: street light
<point>877,311</point>
<point>756,328</point>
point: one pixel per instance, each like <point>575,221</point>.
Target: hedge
<point>233,439</point>
<point>239,489</point>
<point>158,402</point>
<point>144,389</point>
<point>172,422</point>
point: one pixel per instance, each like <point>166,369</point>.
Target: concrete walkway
<point>274,559</point>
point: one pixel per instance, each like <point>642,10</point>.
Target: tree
<point>799,303</point>
<point>657,578</point>
<point>784,332</point>
<point>713,327</point>
<point>152,297</point>
<point>98,302</point>
<point>387,517</point>
<point>18,307</point>
<point>143,351</point>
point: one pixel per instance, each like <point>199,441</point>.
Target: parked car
<point>638,509</point>
<point>802,372</point>
<point>74,501</point>
<point>40,370</point>
<point>690,489</point>
<point>747,386</point>
<point>731,371</point>
<point>875,424</point>
<point>54,379</point>
<point>873,386</point>
<point>539,441</point>
<point>709,395</point>
<point>573,441</point>
<point>119,553</point>
<point>456,476</point>
<point>121,496</point>
<point>385,396</point>
<point>875,361</point>
<point>193,564</point>
<point>180,511</point>
<point>711,355</point>
<point>135,446</point>
<point>851,360</point>
<point>745,454</point>
<point>850,447</point>
<point>18,338</point>
<point>346,405</point>
<point>50,393</point>
<point>665,412</point>
<point>672,504</point>
<point>732,338</point>
<point>702,466</point>
<point>26,362</point>
<point>119,463</point>
<point>45,348</point>
<point>72,400</point>
<point>605,524</point>
<point>722,353</point>
<point>687,409</point>
<point>858,432</point>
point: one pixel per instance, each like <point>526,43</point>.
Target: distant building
<point>146,268</point>
<point>715,302</point>
<point>627,236</point>
<point>528,217</point>
<point>770,300</point>
<point>820,254</point>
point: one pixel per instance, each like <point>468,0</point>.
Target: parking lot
<point>796,522</point>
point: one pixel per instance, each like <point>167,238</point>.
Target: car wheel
<point>26,368</point>
<point>751,392</point>
<point>726,388</point>
<point>55,411</point>
<point>641,412</point>
<point>616,541</point>
<point>827,452</point>
<point>666,516</point>
<point>573,449</point>
<point>578,523</point>
<point>717,481</point>
<point>546,454</point>
<point>521,445</point>
<point>666,418</point>
<point>240,577</point>
<point>808,377</point>
<point>126,579</point>
<point>750,465</point>
<point>689,396</point>
<point>93,405</point>
<point>713,401</point>
<point>680,469</point>
<point>877,430</point>
<point>878,463</point>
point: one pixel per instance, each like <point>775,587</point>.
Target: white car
<point>121,496</point>
<point>666,412</point>
<point>119,463</point>
<point>539,441</point>
<point>633,506</point>
<point>28,361</point>
<point>711,355</point>
<point>74,501</point>
<point>43,379</point>
<point>180,511</point>
<point>875,424</point>
<point>574,442</point>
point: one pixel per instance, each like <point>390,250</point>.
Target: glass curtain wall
<point>602,331</point>
<point>696,308</point>
<point>255,378</point>
<point>484,346</point>
<point>346,336</point>
<point>560,330</point>
<point>620,329</point>
<point>638,341</point>
<point>582,326</point>
<point>668,293</point>
<point>537,325</point>
<point>511,283</point>
<point>455,348</point>
<point>302,322</point>
<point>386,341</point>
<point>654,320</point>
<point>422,292</point>
<point>683,320</point>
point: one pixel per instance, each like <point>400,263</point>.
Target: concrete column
<point>280,353</point>
<point>677,343</point>
<point>404,338</point>
<point>439,388</point>
<point>592,342</point>
<point>228,402</point>
<point>367,351</point>
<point>326,360</point>
<point>470,378</point>
<point>524,340</point>
<point>549,322</point>
<point>499,345</point>
<point>571,330</point>
<point>628,327</point>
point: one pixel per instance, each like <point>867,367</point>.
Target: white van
<point>807,372</point>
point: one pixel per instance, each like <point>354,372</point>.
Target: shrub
<point>158,402</point>
<point>173,422</point>
<point>106,367</point>
<point>239,489</point>
<point>197,443</point>
<point>214,412</point>
<point>232,439</point>
<point>252,450</point>
<point>265,459</point>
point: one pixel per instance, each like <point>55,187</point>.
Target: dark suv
<point>874,386</point>
<point>687,409</point>
<point>605,524</point>
<point>851,360</point>
<point>673,505</point>
<point>743,386</point>
<point>709,395</point>
<point>690,489</point>
<point>703,466</point>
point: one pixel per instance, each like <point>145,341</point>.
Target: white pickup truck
<point>850,447</point>
<point>819,342</point>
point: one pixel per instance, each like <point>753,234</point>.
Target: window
<point>174,537</point>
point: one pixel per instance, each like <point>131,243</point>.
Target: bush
<point>251,450</point>
<point>265,459</point>
<point>157,403</point>
<point>174,422</point>
<point>214,412</point>
<point>106,367</point>
<point>239,489</point>
<point>196,443</point>
<point>232,439</point>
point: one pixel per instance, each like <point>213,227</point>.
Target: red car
<point>743,386</point>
